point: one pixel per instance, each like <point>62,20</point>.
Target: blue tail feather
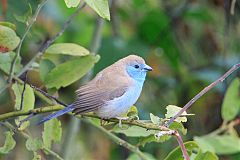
<point>56,114</point>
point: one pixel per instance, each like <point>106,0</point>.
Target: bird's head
<point>136,67</point>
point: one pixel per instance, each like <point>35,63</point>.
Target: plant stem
<point>205,90</point>
<point>29,26</point>
<point>181,144</point>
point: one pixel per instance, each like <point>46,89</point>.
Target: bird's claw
<point>120,120</point>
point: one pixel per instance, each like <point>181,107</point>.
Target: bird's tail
<point>56,114</point>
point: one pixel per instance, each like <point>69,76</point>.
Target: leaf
<point>72,3</point>
<point>206,156</point>
<point>155,119</point>
<point>101,7</point>
<point>67,49</point>
<point>6,60</point>
<point>45,67</point>
<point>25,17</point>
<point>132,112</point>
<point>52,132</point>
<point>28,102</point>
<point>134,131</point>
<point>8,39</point>
<point>9,143</point>
<point>36,156</point>
<point>176,154</point>
<point>34,144</point>
<point>220,144</point>
<point>231,101</point>
<point>173,110</point>
<point>178,126</point>
<point>152,138</point>
<point>8,24</point>
<point>69,72</point>
<point>134,156</point>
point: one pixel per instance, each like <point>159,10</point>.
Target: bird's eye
<point>136,66</point>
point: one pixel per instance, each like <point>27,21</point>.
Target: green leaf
<point>70,71</point>
<point>101,7</point>
<point>155,119</point>
<point>52,132</point>
<point>34,144</point>
<point>231,102</point>
<point>206,156</point>
<point>67,49</point>
<point>6,60</point>
<point>8,24</point>
<point>25,17</point>
<point>36,156</point>
<point>72,3</point>
<point>220,144</point>
<point>8,39</point>
<point>9,143</point>
<point>133,131</point>
<point>45,67</point>
<point>152,138</point>
<point>134,156</point>
<point>173,110</point>
<point>28,102</point>
<point>178,126</point>
<point>132,112</point>
<point>176,154</point>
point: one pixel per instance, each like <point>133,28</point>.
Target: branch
<point>205,90</point>
<point>29,26</point>
<point>139,123</point>
<point>26,136</point>
<point>50,41</point>
<point>180,142</point>
<point>179,139</point>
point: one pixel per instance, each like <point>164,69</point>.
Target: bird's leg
<point>120,120</point>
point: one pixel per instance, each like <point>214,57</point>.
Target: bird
<point>112,92</point>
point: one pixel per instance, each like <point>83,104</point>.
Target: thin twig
<point>48,95</point>
<point>183,148</point>
<point>205,90</point>
<point>23,91</point>
<point>50,41</point>
<point>29,26</point>
<point>179,139</point>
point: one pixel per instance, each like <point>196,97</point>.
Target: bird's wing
<point>90,98</point>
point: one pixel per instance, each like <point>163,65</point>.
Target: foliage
<point>189,44</point>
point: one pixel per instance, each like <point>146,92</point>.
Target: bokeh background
<point>189,44</point>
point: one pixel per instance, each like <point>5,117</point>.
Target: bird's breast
<point>120,105</point>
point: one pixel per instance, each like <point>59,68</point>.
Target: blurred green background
<point>189,44</point>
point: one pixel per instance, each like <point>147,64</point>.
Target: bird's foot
<point>120,120</point>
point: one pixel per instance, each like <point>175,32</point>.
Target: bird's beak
<point>147,68</point>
